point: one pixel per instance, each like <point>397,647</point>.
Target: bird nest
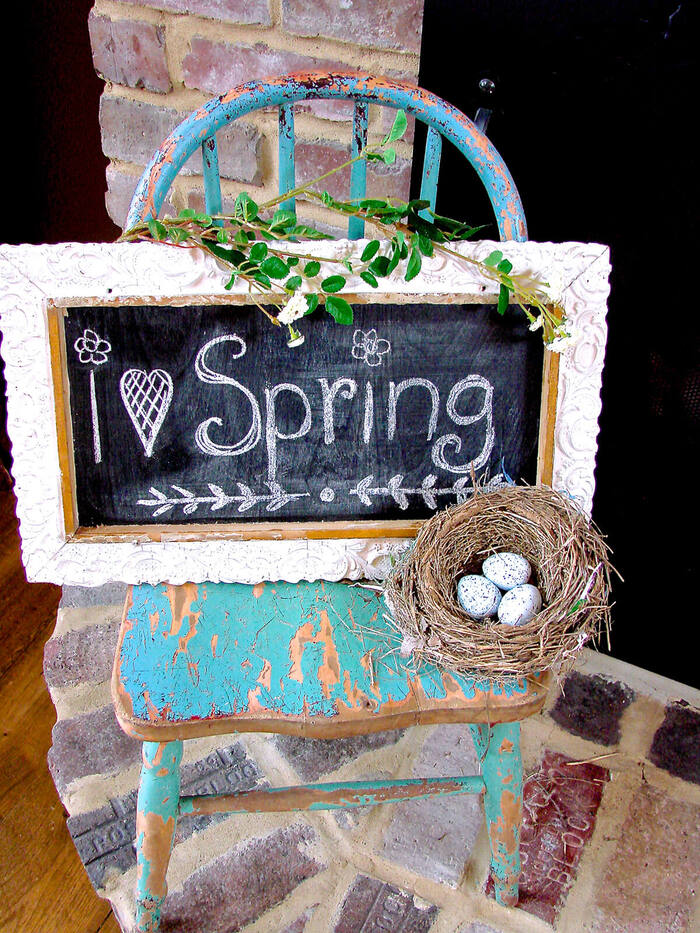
<point>570,566</point>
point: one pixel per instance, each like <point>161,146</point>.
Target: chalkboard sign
<point>203,414</point>
<point>162,430</point>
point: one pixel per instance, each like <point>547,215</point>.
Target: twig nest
<point>569,562</point>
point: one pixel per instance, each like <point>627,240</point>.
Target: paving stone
<point>476,926</point>
<point>561,802</point>
<point>79,597</point>
<point>650,883</point>
<point>371,906</point>
<point>314,159</point>
<point>226,11</point>
<point>241,885</point>
<point>676,744</point>
<point>132,130</point>
<point>215,67</point>
<point>104,838</point>
<point>434,837</point>
<point>591,707</point>
<point>129,52</point>
<point>299,925</point>
<point>90,744</point>
<point>82,656</point>
<point>395,25</point>
<point>312,758</point>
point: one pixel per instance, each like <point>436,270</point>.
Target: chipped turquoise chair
<point>297,658</point>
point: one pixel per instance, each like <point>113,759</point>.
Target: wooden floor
<point>43,886</point>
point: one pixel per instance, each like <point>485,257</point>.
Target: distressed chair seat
<point>317,660</point>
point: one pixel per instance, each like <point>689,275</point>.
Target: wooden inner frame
<point>242,531</point>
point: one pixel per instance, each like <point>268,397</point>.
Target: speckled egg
<point>478,596</point>
<point>519,605</point>
<point>507,570</point>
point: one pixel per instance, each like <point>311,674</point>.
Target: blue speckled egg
<point>507,570</point>
<point>478,596</point>
<point>519,605</point>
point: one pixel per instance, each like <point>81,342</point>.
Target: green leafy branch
<point>251,244</point>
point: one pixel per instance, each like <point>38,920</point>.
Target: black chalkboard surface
<point>203,414</point>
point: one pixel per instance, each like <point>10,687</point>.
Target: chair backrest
<point>443,121</point>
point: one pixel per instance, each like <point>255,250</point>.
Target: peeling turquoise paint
<point>293,649</point>
<point>449,122</point>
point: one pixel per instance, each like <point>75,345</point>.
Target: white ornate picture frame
<point>32,278</point>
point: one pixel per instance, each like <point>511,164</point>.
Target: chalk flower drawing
<point>91,348</point>
<point>368,347</point>
<point>246,499</point>
<point>147,398</point>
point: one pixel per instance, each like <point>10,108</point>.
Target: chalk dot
<point>327,494</point>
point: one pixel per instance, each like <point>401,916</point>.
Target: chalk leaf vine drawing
<point>250,244</point>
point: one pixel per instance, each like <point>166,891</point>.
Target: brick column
<point>161,59</point>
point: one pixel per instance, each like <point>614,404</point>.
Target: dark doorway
<point>592,113</point>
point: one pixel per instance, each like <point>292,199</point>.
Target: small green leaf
<point>504,266</point>
<point>347,264</point>
<point>374,156</point>
<point>424,245</point>
<point>312,268</point>
<point>178,235</point>
<point>367,276</point>
<point>157,230</point>
<point>245,207</point>
<point>379,266</point>
<point>292,261</point>
<point>312,302</point>
<point>333,283</point>
<point>282,219</point>
<point>389,156</point>
<point>258,252</point>
<point>370,250</point>
<point>229,285</point>
<point>187,213</point>
<point>263,279</point>
<point>503,296</point>
<point>222,236</point>
<point>413,266</point>
<point>398,129</point>
<point>292,283</point>
<point>372,204</point>
<point>395,258</point>
<point>274,267</point>
<point>203,219</point>
<point>418,205</point>
<point>493,258</point>
<point>338,308</point>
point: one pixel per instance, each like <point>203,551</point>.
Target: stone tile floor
<point>611,836</point>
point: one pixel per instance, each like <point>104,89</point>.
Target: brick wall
<point>161,59</point>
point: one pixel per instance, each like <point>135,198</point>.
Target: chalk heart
<point>147,398</point>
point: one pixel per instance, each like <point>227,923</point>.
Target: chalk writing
<point>146,397</point>
<point>386,420</point>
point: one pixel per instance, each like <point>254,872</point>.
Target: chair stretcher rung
<point>331,796</point>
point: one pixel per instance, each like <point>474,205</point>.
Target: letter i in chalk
<point>91,348</point>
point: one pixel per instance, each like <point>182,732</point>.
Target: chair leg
<point>156,816</point>
<point>502,768</point>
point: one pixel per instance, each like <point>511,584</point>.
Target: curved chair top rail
<point>443,120</point>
